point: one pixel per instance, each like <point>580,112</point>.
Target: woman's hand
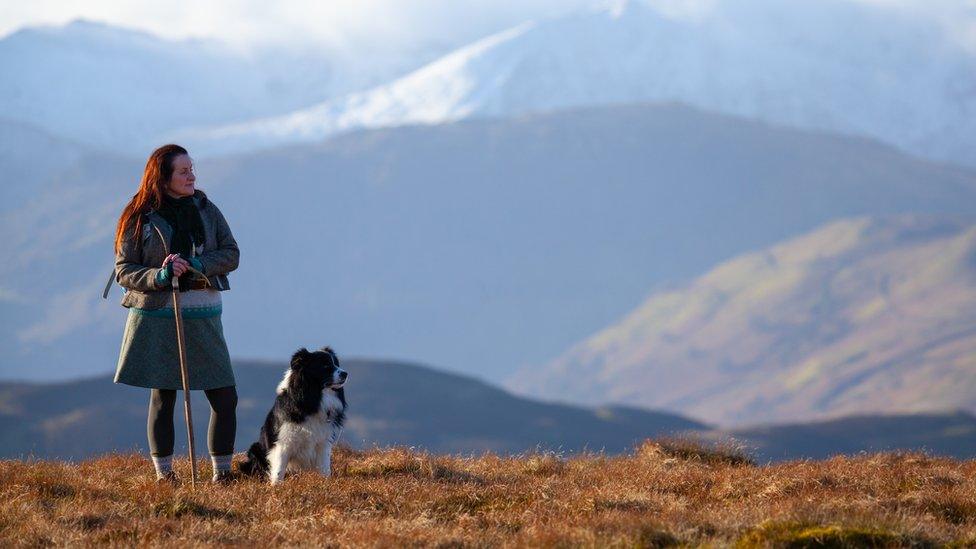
<point>180,265</point>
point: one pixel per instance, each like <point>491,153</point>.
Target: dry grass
<point>663,494</point>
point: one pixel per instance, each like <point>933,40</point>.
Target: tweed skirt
<point>150,355</point>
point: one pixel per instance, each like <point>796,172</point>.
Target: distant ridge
<point>861,315</point>
<point>950,433</point>
<point>394,403</point>
<point>390,403</point>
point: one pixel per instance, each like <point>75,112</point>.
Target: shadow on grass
<point>180,506</point>
<point>801,535</point>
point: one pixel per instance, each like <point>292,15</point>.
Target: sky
<point>354,27</point>
<point>338,23</point>
<point>349,24</point>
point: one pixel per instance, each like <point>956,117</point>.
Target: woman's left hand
<point>180,265</point>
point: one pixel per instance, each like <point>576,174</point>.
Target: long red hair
<point>158,172</point>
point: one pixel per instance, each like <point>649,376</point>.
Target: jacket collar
<point>164,226</point>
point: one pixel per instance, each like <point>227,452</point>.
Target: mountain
<point>394,403</point>
<point>390,403</point>
<point>952,433</point>
<point>31,157</point>
<point>848,67</point>
<point>862,315</point>
<point>488,245</point>
<point>57,199</point>
<point>118,89</point>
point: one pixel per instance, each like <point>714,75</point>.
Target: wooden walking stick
<point>184,374</point>
<point>181,343</point>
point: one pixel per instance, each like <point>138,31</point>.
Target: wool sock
<point>221,463</point>
<point>163,465</point>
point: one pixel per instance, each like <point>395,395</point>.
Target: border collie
<point>305,421</point>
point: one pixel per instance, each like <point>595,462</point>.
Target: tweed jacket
<point>136,266</point>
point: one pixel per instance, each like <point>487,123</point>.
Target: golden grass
<point>663,494</point>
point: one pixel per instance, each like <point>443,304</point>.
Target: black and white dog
<point>305,421</point>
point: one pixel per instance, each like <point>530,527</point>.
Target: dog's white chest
<point>305,441</point>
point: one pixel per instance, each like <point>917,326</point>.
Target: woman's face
<point>181,184</point>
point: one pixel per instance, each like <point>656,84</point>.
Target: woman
<point>168,229</point>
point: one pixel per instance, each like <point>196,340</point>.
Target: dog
<point>305,421</point>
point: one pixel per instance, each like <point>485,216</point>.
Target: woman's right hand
<point>180,265</point>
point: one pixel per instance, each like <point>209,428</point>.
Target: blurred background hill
<point>403,404</point>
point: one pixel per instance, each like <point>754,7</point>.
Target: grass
<point>666,493</point>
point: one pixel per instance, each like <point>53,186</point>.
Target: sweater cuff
<point>164,276</point>
<point>197,264</point>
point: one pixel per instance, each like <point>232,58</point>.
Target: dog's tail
<point>256,461</point>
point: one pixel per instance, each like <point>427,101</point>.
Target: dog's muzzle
<point>339,380</point>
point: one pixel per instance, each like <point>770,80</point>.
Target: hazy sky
<point>335,22</point>
<point>374,23</point>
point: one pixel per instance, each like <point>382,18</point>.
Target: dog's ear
<point>332,355</point>
<point>298,359</point>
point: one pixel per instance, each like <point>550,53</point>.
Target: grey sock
<point>163,465</point>
<point>221,463</point>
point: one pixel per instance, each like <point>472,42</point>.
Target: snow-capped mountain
<point>119,89</point>
<point>837,65</point>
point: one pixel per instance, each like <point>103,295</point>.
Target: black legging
<point>223,421</point>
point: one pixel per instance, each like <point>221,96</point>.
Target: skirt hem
<point>180,388</point>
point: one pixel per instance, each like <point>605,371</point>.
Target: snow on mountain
<point>119,89</point>
<point>837,65</point>
<point>108,86</point>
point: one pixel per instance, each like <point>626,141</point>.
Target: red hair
<point>158,172</point>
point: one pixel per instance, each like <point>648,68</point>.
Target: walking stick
<point>184,374</point>
<point>181,342</point>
